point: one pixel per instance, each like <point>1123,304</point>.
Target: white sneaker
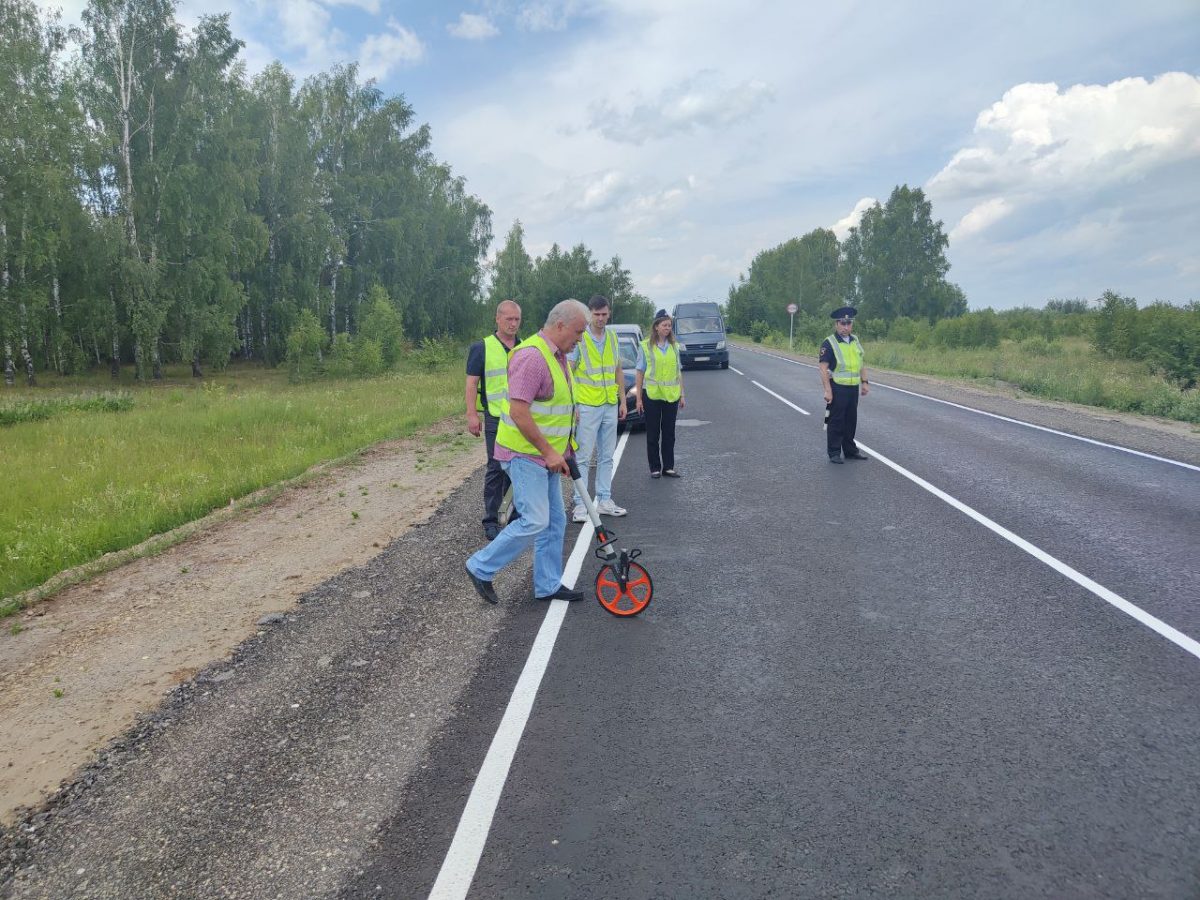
<point>608,508</point>
<point>579,516</point>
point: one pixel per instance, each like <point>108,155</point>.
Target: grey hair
<point>565,310</point>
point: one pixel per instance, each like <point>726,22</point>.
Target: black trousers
<point>495,481</point>
<point>660,428</point>
<point>843,420</point>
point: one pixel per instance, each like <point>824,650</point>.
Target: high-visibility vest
<point>661,380</point>
<point>849,361</point>
<point>495,377</point>
<point>595,374</point>
<point>555,417</point>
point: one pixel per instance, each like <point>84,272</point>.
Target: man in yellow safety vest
<point>487,393</point>
<point>533,442</point>
<point>843,378</point>
<point>600,393</point>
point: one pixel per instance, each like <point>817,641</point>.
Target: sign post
<point>792,309</point>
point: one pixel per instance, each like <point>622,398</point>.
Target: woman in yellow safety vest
<point>659,391</point>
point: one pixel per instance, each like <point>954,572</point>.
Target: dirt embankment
<point>81,666</point>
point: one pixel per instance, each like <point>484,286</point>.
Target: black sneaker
<point>836,459</point>
<point>563,593</point>
<point>483,588</point>
<point>490,530</point>
<point>857,454</point>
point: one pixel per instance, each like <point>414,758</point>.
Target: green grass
<point>1067,369</point>
<point>86,482</point>
<point>35,409</point>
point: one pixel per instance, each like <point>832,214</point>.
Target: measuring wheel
<point>627,595</point>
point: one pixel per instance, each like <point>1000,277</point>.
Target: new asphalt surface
<point>844,687</point>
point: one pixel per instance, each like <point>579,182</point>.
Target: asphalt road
<point>845,686</point>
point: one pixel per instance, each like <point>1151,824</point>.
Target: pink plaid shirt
<point>529,379</point>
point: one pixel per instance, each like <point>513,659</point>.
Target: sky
<point>1059,142</point>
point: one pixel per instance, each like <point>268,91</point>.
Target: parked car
<point>628,339</point>
<point>700,333</point>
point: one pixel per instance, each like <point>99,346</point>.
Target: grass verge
<point>85,483</point>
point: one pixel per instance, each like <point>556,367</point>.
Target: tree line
<point>156,205</point>
<point>891,265</point>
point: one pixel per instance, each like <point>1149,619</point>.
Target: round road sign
<point>793,309</point>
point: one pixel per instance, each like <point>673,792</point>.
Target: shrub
<point>759,330</point>
<point>434,352</point>
<point>339,363</point>
<point>382,324</point>
<point>304,348</point>
<point>368,357</point>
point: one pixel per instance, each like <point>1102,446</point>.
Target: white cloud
<point>599,192</point>
<point>546,15</point>
<point>380,53</point>
<point>980,217</point>
<point>305,26</point>
<point>471,27</point>
<point>1038,138</point>
<point>698,103</point>
<point>843,225</point>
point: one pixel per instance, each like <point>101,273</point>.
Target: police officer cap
<point>844,314</point>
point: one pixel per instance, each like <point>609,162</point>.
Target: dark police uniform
<point>843,410</point>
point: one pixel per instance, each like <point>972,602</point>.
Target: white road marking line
<point>780,399</point>
<point>1172,634</point>
<point>462,859</point>
<point>981,412</point>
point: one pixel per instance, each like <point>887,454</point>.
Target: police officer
<point>843,377</point>
<point>487,393</point>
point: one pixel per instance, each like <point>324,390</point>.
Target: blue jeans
<point>597,430</point>
<point>537,495</point>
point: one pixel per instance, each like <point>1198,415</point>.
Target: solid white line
<point>780,399</point>
<point>462,859</point>
<point>1171,634</point>
<point>981,412</point>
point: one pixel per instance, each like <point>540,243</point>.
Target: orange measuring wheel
<point>626,596</point>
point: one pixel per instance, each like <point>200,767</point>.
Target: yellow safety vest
<point>849,361</point>
<point>595,376</point>
<point>661,379</point>
<point>495,377</point>
<point>555,418</point>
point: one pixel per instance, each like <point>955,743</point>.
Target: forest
<point>158,206</point>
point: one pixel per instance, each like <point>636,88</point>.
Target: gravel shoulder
<point>84,664</point>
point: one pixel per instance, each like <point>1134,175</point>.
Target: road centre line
<point>981,412</point>
<point>466,849</point>
<point>1172,634</point>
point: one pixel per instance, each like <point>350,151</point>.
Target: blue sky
<point>1059,142</point>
